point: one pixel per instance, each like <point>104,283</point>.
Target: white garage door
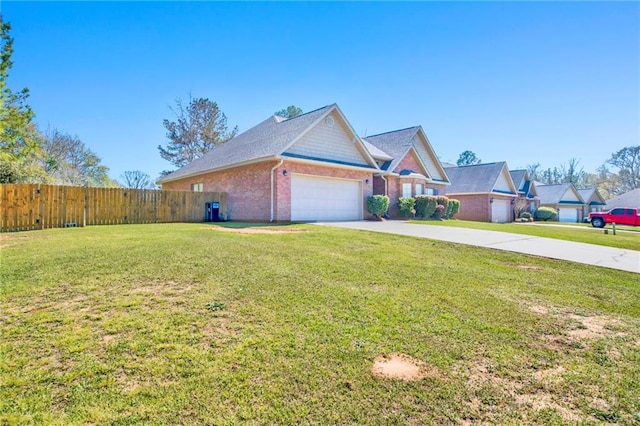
<point>568,214</point>
<point>500,210</point>
<point>316,198</point>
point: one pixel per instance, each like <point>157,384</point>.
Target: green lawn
<point>186,324</point>
<point>581,233</point>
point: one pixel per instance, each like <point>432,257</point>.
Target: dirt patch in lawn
<point>585,326</point>
<point>531,267</point>
<point>594,327</point>
<point>401,366</point>
<point>268,230</point>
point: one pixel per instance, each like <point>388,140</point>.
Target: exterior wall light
<point>285,173</point>
<point>491,200</point>
<point>366,181</point>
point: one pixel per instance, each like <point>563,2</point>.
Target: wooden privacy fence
<point>33,206</point>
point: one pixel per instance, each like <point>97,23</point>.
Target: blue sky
<point>522,82</point>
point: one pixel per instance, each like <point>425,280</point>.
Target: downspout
<point>273,189</point>
<point>385,184</point>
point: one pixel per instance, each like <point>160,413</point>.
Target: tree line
<point>609,181</point>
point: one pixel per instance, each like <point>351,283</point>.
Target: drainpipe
<point>272,187</point>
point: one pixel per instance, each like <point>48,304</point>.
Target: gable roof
<point>592,196</point>
<point>524,184</point>
<point>376,153</point>
<point>629,199</point>
<point>398,143</point>
<point>477,178</point>
<point>554,194</point>
<point>268,139</point>
<point>519,177</point>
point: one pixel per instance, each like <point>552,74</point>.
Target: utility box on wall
<point>212,211</point>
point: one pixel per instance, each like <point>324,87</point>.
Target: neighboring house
<point>408,166</point>
<point>593,201</point>
<point>486,192</point>
<point>528,200</point>
<point>628,199</point>
<point>306,168</point>
<point>564,198</point>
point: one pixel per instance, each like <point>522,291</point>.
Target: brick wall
<point>409,162</point>
<point>473,207</point>
<point>248,188</point>
<point>476,207</point>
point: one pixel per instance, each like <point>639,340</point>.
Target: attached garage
<point>501,211</point>
<point>568,214</point>
<point>316,198</point>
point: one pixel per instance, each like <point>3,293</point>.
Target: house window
<point>196,187</point>
<point>419,190</point>
<point>429,191</point>
<point>406,190</point>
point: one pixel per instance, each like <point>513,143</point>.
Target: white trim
<point>329,164</point>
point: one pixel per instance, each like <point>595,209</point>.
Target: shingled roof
<point>629,199</point>
<point>592,196</point>
<point>477,178</point>
<point>553,194</point>
<point>396,144</point>
<point>267,139</point>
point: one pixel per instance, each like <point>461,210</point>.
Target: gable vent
<point>330,121</point>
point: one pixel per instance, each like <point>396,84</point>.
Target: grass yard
<point>580,233</point>
<point>197,324</point>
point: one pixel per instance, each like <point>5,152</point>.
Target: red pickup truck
<point>619,216</point>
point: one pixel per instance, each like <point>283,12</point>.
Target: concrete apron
<point>588,254</point>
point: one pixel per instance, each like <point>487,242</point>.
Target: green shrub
<point>525,215</point>
<point>546,213</point>
<point>406,206</point>
<point>425,206</point>
<point>452,208</point>
<point>377,205</point>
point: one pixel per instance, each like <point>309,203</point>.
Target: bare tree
<point>199,127</point>
<point>573,174</point>
<point>135,179</point>
<point>70,162</point>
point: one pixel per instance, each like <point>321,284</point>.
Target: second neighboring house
<point>593,201</point>
<point>564,198</point>
<point>486,192</point>
<point>313,167</point>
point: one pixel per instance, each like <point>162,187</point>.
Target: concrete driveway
<point>589,254</point>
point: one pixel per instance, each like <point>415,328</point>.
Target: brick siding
<point>248,188</point>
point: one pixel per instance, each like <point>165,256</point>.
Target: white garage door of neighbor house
<point>567,214</point>
<point>317,198</point>
<point>500,210</point>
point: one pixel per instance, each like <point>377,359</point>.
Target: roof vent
<point>330,121</point>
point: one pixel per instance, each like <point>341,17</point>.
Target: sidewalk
<point>589,254</point>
